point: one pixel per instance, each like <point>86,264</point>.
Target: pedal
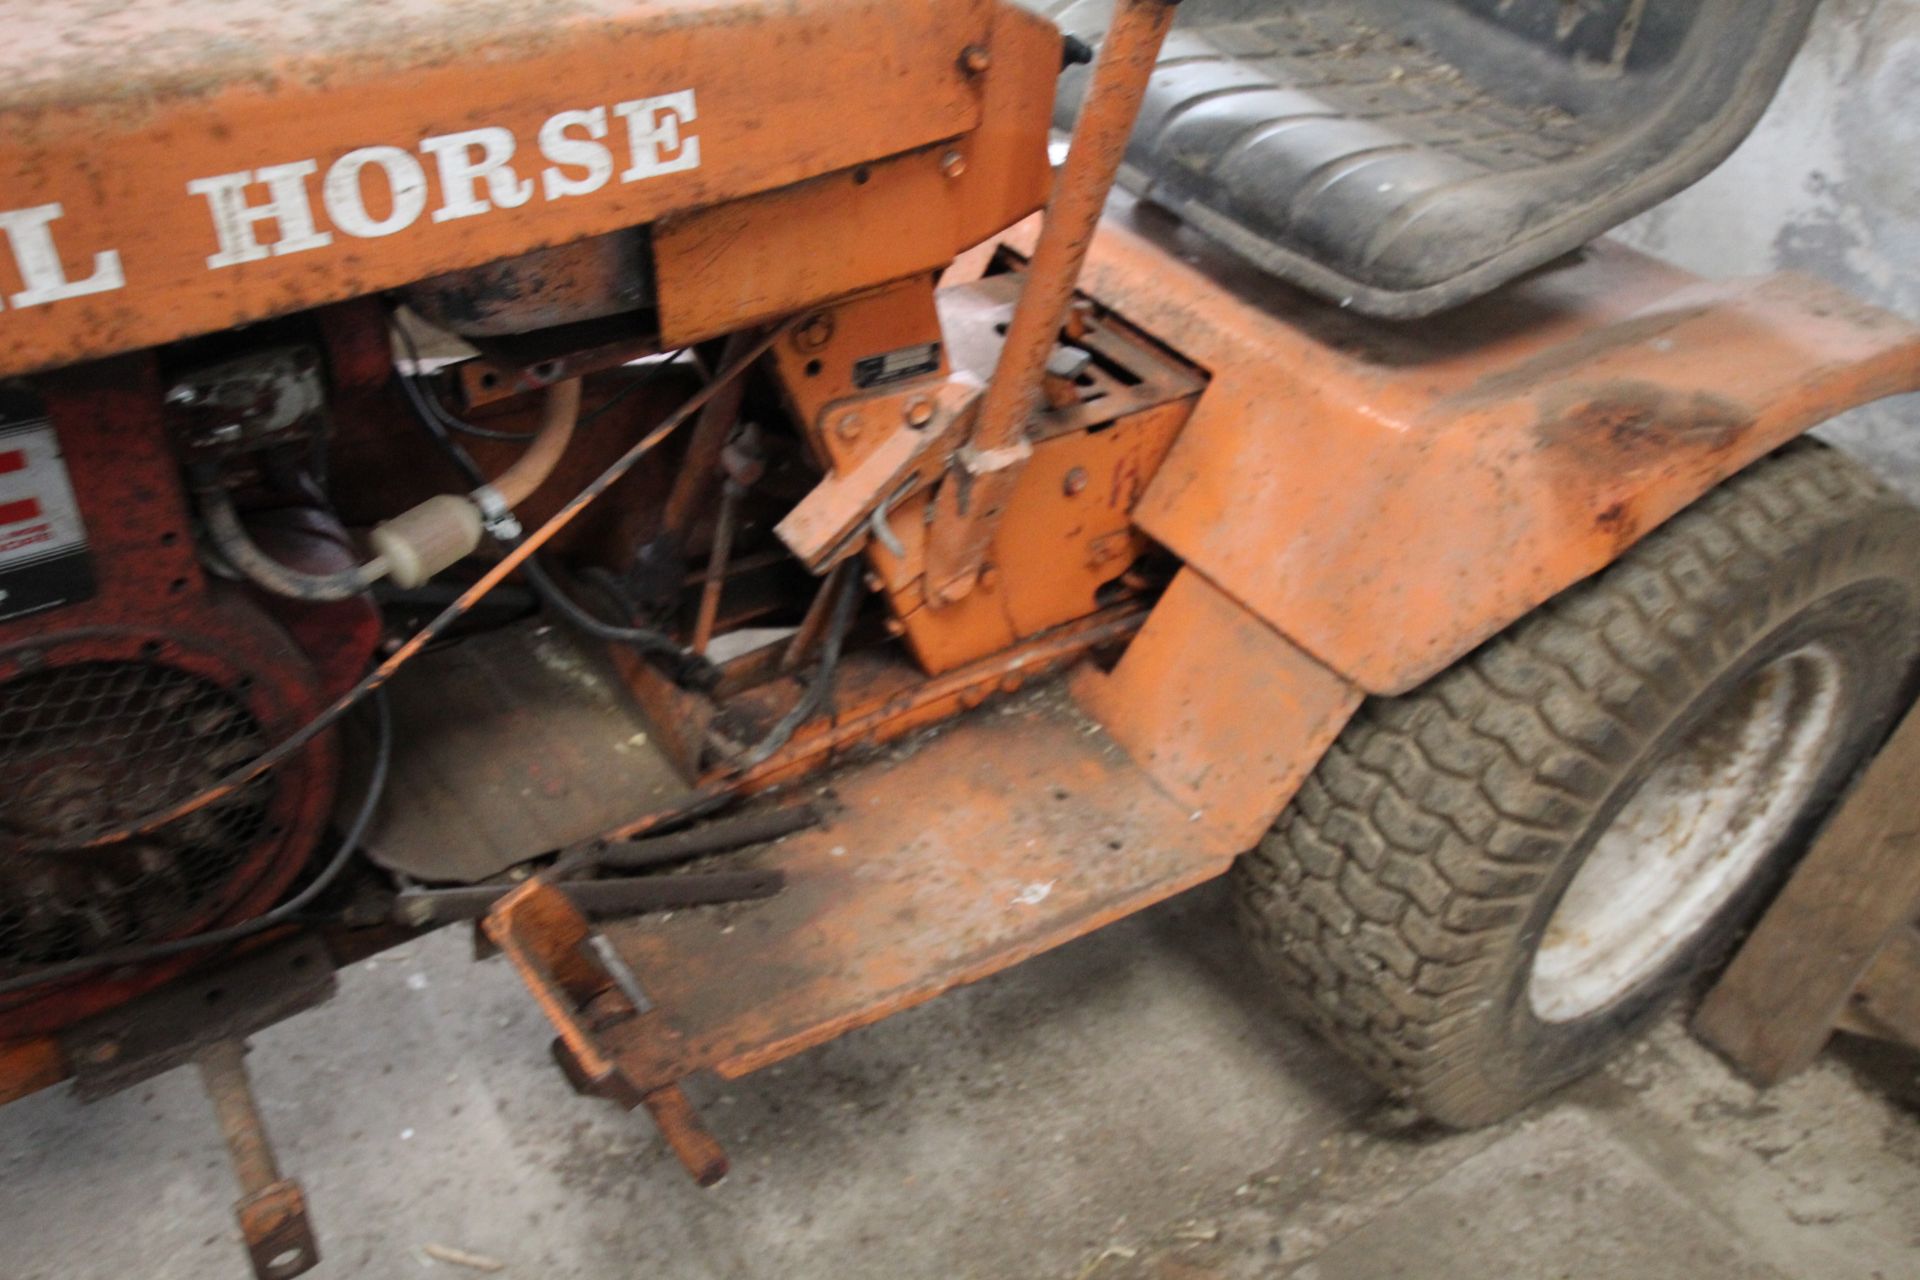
<point>592,998</point>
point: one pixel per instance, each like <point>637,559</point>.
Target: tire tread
<point>1423,835</point>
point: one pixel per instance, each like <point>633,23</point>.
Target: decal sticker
<point>271,211</point>
<point>43,543</point>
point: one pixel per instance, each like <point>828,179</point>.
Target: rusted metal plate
<point>171,168</point>
<point>511,745</point>
<point>166,1029</point>
<point>1092,457</point>
<point>882,697</point>
<point>1018,828</point>
<point>1389,495</point>
<point>1226,714</point>
<point>28,1066</point>
<point>719,268</point>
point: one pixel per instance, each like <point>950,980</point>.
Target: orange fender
<point>1390,495</point>
<point>1385,496</point>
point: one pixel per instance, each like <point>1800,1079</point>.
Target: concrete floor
<point>1130,1106</point>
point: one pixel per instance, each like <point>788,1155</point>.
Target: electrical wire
<point>493,577</point>
<point>684,667</point>
<point>350,842</point>
<point>437,428</point>
<point>583,859</point>
<point>820,688</point>
<point>430,403</point>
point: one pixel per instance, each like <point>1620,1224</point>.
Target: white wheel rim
<point>1689,837</point>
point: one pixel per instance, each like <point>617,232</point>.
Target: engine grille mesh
<point>86,747</point>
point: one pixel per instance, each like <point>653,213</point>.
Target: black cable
<point>685,667</point>
<point>469,470</point>
<point>420,391</point>
<point>428,404</point>
<point>584,859</point>
<point>821,685</point>
<point>349,845</point>
<point>287,747</point>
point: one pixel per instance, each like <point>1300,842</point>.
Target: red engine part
<point>137,680</point>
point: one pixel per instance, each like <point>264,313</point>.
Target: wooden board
<point>1781,998</point>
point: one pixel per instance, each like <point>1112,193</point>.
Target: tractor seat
<point>1404,156</point>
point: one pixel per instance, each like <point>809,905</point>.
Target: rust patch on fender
<point>1622,422</point>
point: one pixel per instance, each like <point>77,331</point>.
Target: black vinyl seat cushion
<point>1403,156</point>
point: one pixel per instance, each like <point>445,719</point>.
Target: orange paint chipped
<point>1224,712</point>
<point>725,98</point>
<point>1044,831</point>
<point>1390,495</point>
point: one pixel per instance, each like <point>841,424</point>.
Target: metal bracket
<point>835,520</point>
<point>272,1210</point>
<point>279,1235</point>
<point>547,939</point>
<point>156,1033</point>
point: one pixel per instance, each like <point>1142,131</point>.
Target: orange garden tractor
<point>636,475</point>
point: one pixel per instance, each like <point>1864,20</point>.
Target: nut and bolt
<point>815,332</point>
<point>1076,482</point>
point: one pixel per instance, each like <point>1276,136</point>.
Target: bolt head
<point>815,332</point>
<point>953,164</point>
<point>919,413</point>
<point>1075,482</point>
<point>104,1052</point>
<point>975,60</point>
<point>847,426</point>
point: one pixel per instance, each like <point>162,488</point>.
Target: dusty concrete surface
<point>1127,1107</point>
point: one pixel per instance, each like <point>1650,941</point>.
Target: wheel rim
<point>1689,837</point>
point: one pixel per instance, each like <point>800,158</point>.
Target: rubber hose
<point>230,537</point>
<point>517,483</point>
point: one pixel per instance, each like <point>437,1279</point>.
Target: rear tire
<point>1491,883</point>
